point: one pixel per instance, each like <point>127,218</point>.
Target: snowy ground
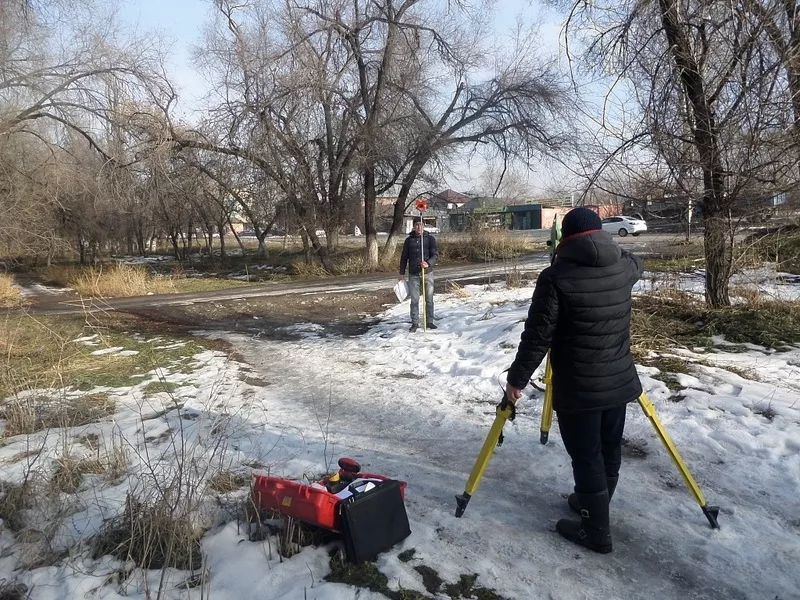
<point>417,407</point>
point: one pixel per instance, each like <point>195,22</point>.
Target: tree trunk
<point>395,232</point>
<point>173,236</point>
<point>140,240</point>
<point>370,200</point>
<point>705,138</point>
<point>718,260</point>
<point>262,246</point>
<point>221,231</point>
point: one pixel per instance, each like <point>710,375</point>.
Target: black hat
<point>580,220</point>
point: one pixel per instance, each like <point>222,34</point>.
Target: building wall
<point>525,219</point>
<point>549,213</point>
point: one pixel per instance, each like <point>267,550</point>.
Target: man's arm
<point>538,335</point>
<point>433,252</point>
<point>404,258</point>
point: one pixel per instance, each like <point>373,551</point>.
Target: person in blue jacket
<point>419,253</point>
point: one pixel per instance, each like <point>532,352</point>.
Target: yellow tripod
<point>711,512</point>
<point>505,411</point>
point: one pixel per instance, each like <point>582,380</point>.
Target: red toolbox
<point>314,503</point>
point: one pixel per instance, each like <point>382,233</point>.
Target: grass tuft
<point>150,536</point>
<point>13,591</point>
<point>780,246</point>
<point>14,500</point>
<point>367,576</point>
<point>10,294</point>
<point>662,321</point>
<point>30,414</point>
<point>227,481</point>
<point>69,472</point>
<point>485,245</point>
<point>116,280</point>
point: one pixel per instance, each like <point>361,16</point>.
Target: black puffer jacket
<point>412,252</point>
<point>581,311</point>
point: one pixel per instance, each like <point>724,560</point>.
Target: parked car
<point>624,225</point>
<point>431,229</point>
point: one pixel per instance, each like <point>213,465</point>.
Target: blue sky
<point>181,23</point>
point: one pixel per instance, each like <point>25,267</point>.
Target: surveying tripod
<point>505,411</point>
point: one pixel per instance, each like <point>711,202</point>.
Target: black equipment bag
<point>373,521</point>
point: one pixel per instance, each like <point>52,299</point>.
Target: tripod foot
<point>543,436</point>
<point>711,513</point>
<point>461,504</point>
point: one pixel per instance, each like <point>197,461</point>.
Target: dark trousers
<point>594,443</point>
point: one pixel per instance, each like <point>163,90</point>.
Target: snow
<point>35,289</point>
<point>766,282</point>
<point>417,407</point>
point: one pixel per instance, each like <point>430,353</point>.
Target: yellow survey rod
<point>547,407</point>
<point>504,412</point>
<point>711,512</point>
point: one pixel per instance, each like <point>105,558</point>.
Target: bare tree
<point>711,104</point>
<point>64,71</point>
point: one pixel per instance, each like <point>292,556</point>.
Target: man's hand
<point>402,278</point>
<point>423,264</point>
<point>513,393</point>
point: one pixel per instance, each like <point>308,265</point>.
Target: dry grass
<point>41,353</point>
<point>781,246</point>
<point>14,500</point>
<point>486,245</point>
<point>152,536</point>
<point>346,262</point>
<point>516,278</point>
<point>69,471</point>
<point>457,290</point>
<point>34,413</point>
<point>10,295</point>
<point>675,319</point>
<point>309,270</point>
<point>227,481</point>
<point>111,281</point>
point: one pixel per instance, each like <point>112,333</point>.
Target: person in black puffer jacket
<point>581,312</point>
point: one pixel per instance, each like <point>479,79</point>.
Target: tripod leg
<point>711,512</point>
<point>502,415</point>
<point>547,407</point>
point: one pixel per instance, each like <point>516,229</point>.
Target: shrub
<point>116,280</point>
<point>10,294</point>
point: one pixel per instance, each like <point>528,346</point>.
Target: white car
<point>431,229</point>
<point>624,225</point>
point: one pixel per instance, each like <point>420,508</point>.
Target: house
<point>437,215</point>
<point>453,200</point>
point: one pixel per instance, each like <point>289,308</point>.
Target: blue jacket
<point>411,253</point>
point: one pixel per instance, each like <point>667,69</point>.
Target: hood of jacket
<point>592,249</point>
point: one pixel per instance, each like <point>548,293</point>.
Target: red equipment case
<point>312,504</point>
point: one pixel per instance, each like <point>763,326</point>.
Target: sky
<point>181,22</point>
<point>417,407</point>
